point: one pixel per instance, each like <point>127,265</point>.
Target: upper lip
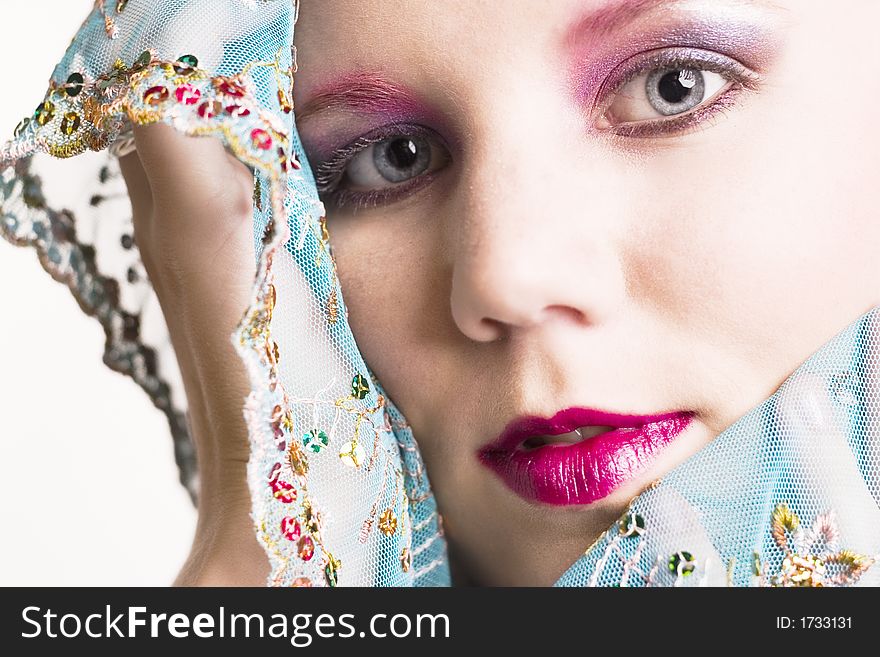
<point>568,419</point>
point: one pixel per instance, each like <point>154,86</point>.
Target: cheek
<point>767,247</point>
<point>393,291</point>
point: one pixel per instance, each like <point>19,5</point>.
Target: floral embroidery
<point>812,557</point>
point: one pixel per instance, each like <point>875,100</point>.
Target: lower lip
<point>586,471</point>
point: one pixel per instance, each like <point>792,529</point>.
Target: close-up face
<point>638,208</point>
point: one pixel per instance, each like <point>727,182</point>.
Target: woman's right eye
<point>373,169</point>
<point>390,161</point>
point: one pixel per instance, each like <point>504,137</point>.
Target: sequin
<point>352,454</point>
<point>104,83</point>
<point>283,101</point>
<point>121,5</point>
<point>187,94</point>
<point>405,560</point>
<point>302,582</point>
<point>156,95</point>
<point>70,123</point>
<point>274,472</point>
<point>131,326</point>
<point>45,112</point>
<point>332,307</point>
<point>282,158</point>
<point>229,88</point>
<point>305,547</point>
<point>313,523</point>
<point>74,84</point>
<point>331,570</point>
<point>210,108</point>
<point>359,386</point>
<point>24,123</point>
<point>315,440</point>
<point>143,60</point>
<point>296,459</point>
<point>682,563</point>
<point>261,139</point>
<point>387,522</point>
<point>127,241</point>
<point>237,110</point>
<point>283,491</point>
<point>258,193</point>
<point>287,418</point>
<point>290,528</point>
<point>631,524</point>
<point>185,65</point>
<point>272,353</point>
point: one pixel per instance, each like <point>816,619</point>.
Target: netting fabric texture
<point>788,495</point>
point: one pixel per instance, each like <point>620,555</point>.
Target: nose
<point>534,244</point>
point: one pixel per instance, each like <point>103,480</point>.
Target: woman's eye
<point>381,168</point>
<point>391,161</point>
<point>663,92</point>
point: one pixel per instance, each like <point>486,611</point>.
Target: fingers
<point>141,196</point>
<point>138,184</point>
<point>176,163</point>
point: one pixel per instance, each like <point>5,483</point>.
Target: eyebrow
<point>362,91</point>
<point>615,14</point>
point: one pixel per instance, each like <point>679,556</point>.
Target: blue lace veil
<point>788,495</point>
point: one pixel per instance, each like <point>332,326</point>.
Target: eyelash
<point>329,174</point>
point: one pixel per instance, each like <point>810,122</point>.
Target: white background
<point>88,486</point>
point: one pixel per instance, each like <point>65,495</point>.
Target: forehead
<point>424,33</point>
<point>360,31</point>
<point>415,42</point>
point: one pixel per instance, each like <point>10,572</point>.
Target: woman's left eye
<point>664,92</point>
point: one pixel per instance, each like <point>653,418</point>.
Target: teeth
<point>569,438</point>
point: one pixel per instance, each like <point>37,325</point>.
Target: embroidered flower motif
<point>352,454</point>
<point>315,440</point>
<point>388,522</point>
<point>813,557</point>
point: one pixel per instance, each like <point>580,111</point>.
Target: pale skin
<point>689,271</point>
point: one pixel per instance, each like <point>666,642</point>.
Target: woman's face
<point>636,206</point>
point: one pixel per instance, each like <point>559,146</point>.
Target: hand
<point>192,214</point>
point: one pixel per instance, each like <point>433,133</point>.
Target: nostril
<point>491,330</point>
<point>565,312</point>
